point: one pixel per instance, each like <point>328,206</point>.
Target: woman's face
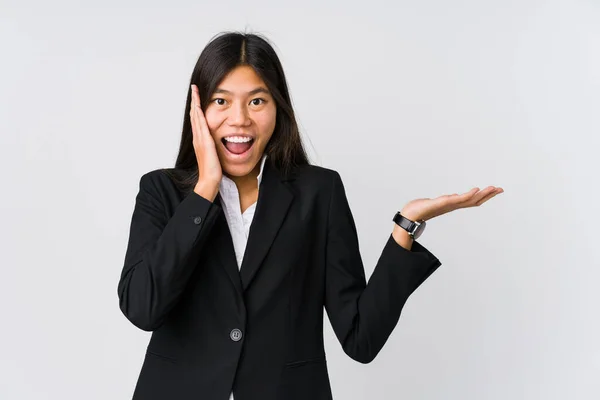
<point>241,119</point>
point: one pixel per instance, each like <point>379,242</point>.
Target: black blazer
<point>258,330</point>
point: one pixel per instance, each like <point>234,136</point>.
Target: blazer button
<point>236,335</point>
<point>197,220</point>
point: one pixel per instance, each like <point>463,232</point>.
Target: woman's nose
<point>238,115</point>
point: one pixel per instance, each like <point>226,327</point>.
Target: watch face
<point>419,230</point>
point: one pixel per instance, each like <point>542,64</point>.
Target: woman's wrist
<point>402,237</point>
<point>207,190</point>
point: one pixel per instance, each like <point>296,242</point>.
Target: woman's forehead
<point>242,80</point>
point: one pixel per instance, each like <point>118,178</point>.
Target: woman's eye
<point>221,102</point>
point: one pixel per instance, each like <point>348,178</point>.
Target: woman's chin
<point>238,170</point>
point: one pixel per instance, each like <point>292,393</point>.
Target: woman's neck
<point>246,184</point>
<point>247,187</point>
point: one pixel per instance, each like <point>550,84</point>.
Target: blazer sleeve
<point>162,252</point>
<point>363,315</point>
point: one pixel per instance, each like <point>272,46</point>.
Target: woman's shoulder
<point>164,179</point>
<point>316,175</point>
<point>155,176</point>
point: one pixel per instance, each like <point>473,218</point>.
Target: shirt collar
<point>227,185</point>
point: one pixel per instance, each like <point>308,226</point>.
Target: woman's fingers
<point>199,125</point>
<point>476,197</point>
<point>201,121</point>
<point>472,198</point>
<point>209,166</point>
<point>193,113</point>
<point>481,196</point>
<point>196,98</point>
<point>492,193</point>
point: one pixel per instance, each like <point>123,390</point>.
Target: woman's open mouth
<point>238,145</point>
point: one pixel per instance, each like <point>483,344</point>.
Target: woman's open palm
<point>426,209</point>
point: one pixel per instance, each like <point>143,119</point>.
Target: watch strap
<point>405,223</point>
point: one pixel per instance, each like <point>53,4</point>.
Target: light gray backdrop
<point>405,99</point>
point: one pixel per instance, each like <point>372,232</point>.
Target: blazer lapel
<point>274,200</point>
<point>225,249</point>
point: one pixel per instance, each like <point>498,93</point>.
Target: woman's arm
<point>363,316</point>
<point>402,237</point>
<point>162,252</point>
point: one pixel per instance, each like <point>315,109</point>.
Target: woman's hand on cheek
<point>209,166</point>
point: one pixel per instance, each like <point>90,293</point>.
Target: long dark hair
<point>222,54</point>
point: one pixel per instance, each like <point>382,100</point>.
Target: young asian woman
<point>235,253</point>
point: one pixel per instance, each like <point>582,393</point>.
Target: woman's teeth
<point>237,139</point>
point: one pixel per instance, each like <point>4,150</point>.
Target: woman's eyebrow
<point>250,93</point>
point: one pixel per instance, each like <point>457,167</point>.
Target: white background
<point>406,100</point>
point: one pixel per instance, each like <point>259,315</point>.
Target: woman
<point>234,254</point>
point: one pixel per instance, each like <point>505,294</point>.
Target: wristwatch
<point>414,228</point>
